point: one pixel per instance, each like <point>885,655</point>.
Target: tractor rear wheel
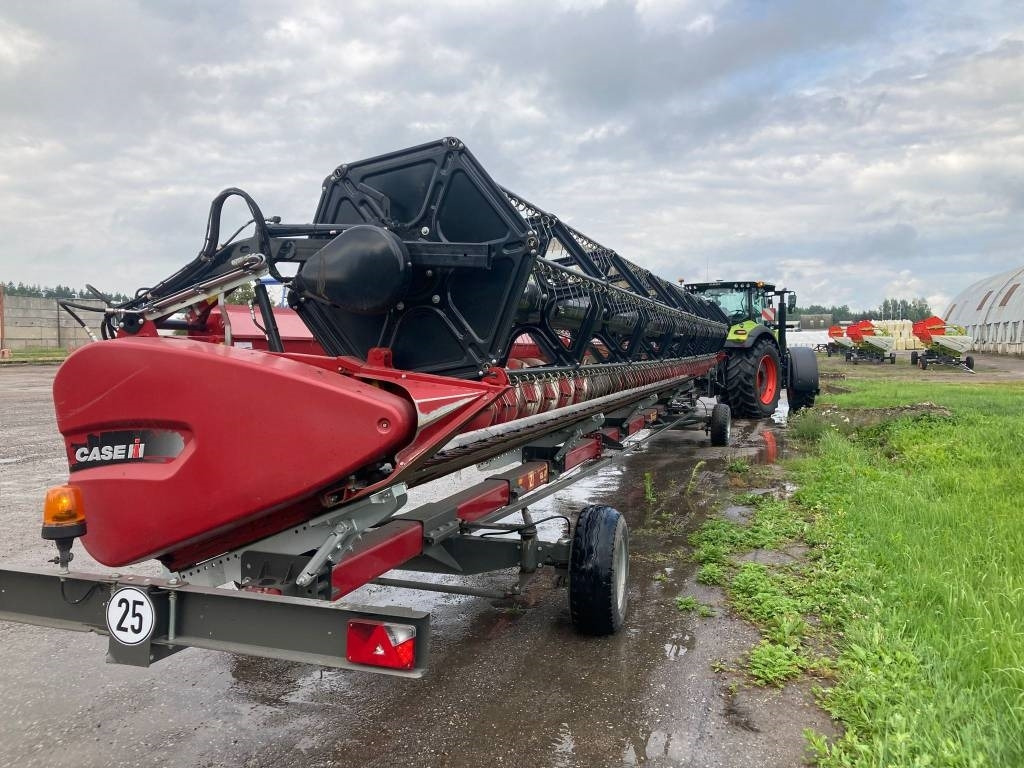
<point>753,380</point>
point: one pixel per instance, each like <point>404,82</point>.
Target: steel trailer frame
<point>276,597</point>
<point>417,278</point>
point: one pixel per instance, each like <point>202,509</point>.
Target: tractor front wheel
<point>753,380</point>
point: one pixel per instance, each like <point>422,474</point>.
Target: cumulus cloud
<point>854,151</point>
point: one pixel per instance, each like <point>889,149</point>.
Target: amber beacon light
<point>63,520</point>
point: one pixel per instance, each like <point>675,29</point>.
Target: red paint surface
<point>589,449</point>
<point>487,497</point>
<point>378,551</point>
<point>263,434</point>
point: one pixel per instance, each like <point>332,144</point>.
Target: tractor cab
<point>744,301</point>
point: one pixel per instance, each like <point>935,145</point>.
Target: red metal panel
<point>378,551</point>
<point>635,424</point>
<point>259,434</point>
<point>486,497</point>
<point>589,449</point>
<point>613,433</point>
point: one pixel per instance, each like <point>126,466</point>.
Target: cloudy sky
<point>853,150</point>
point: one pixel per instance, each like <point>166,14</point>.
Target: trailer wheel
<point>913,357</point>
<point>892,358</point>
<point>969,362</point>
<point>598,571</point>
<point>923,363</point>
<point>720,425</point>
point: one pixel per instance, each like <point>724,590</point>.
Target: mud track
<point>510,682</point>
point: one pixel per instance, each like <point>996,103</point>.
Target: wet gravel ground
<point>510,682</point>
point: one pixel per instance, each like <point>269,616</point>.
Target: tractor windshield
<point>735,303</point>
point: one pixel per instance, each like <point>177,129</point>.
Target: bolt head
<point>425,231</point>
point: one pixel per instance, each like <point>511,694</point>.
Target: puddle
<point>739,515</point>
<point>678,646</point>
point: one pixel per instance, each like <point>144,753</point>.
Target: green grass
<point>711,574</point>
<point>36,354</point>
<point>690,604</point>
<point>920,528</point>
<point>738,466</point>
<point>773,663</point>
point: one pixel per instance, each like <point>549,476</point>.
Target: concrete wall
<point>27,322</point>
<point>1003,338</point>
<point>815,322</point>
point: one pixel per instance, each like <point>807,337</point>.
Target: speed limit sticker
<point>130,616</point>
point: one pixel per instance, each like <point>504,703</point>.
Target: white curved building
<point>992,311</point>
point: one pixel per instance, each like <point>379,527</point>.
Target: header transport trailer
<point>455,324</point>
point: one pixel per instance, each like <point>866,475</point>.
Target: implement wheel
<point>753,380</point>
<point>913,357</point>
<point>969,362</point>
<point>599,571</point>
<point>720,425</point>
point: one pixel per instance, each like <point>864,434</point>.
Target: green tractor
<point>759,362</point>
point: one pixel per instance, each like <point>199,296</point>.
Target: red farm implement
<point>438,321</point>
<point>863,341</point>
<point>944,345</point>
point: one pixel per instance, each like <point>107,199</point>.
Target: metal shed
<point>992,311</point>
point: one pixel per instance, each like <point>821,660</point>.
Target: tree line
<point>889,309</point>
<point>57,292</point>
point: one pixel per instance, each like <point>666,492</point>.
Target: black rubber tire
<point>599,571</point>
<point>720,425</point>
<point>802,380</point>
<point>741,380</point>
<point>892,358</point>
<point>923,363</point>
<point>913,357</point>
<point>969,362</point>
<point>828,352</point>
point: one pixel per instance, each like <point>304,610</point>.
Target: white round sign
<point>130,616</point>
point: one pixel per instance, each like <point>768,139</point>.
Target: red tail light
<point>380,644</point>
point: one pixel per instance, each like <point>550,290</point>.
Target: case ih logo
<point>127,446</point>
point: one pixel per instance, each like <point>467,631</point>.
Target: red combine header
<point>862,341</point>
<point>944,344</point>
<point>438,321</point>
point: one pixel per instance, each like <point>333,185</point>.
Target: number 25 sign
<point>130,616</point>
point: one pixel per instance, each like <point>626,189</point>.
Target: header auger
<point>459,325</point>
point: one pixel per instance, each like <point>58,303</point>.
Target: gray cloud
<point>853,150</point>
